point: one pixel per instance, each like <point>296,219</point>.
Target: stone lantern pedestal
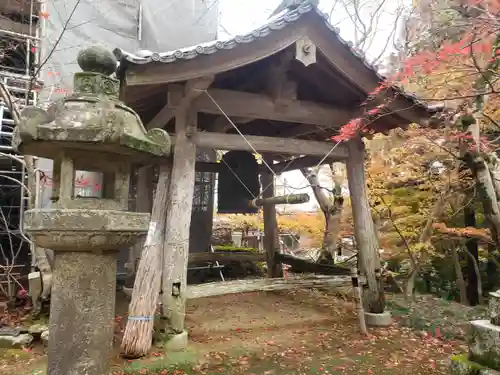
<point>484,345</point>
<point>91,131</point>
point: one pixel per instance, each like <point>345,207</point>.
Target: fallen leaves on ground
<point>297,333</point>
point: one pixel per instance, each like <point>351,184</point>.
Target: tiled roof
<point>277,22</point>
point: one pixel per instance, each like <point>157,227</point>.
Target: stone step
<point>461,365</point>
<point>484,346</point>
<point>494,307</point>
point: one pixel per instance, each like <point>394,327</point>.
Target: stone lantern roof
<point>92,119</point>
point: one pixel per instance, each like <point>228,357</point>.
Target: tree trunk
<point>477,271</point>
<point>492,268</point>
<point>487,194</point>
<point>332,212</point>
<point>459,275</point>
<point>473,258</point>
<point>425,239</point>
<point>486,177</point>
<point>330,236</point>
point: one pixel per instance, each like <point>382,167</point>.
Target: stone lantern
<point>91,130</point>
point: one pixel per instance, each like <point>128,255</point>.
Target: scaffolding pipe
<point>23,85</point>
<point>18,35</point>
<point>11,172</point>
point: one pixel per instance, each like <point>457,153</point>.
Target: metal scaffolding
<point>20,29</point>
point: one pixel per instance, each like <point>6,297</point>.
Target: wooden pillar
<point>143,203</point>
<point>176,248</point>
<point>364,228</point>
<point>271,238</point>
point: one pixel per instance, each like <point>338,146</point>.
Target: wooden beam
<point>200,166</point>
<point>280,199</point>
<point>258,106</point>
<point>162,118</point>
<point>178,218</point>
<point>254,285</point>
<point>184,95</point>
<point>221,141</point>
<point>222,124</point>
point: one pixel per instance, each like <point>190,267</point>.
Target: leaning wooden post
<point>364,229</point>
<point>271,239</point>
<point>176,249</point>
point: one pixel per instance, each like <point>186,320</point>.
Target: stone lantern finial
<point>97,64</point>
<point>90,118</point>
<point>97,59</point>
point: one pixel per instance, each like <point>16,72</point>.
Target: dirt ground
<point>284,333</point>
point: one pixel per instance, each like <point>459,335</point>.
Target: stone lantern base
<point>82,308</point>
<point>484,345</point>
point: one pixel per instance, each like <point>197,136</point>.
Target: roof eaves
<point>275,23</point>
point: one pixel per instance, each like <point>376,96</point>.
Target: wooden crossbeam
<point>161,119</point>
<point>260,106</point>
<point>221,141</point>
<point>184,96</point>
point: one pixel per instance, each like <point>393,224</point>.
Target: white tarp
<point>173,24</point>
<point>74,24</point>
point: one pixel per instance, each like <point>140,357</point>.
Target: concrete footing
<point>378,320</point>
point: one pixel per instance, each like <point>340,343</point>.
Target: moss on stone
<point>462,365</point>
<point>172,361</point>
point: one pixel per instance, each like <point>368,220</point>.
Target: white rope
<point>306,178</point>
<point>238,130</point>
<point>272,182</point>
<point>256,152</point>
